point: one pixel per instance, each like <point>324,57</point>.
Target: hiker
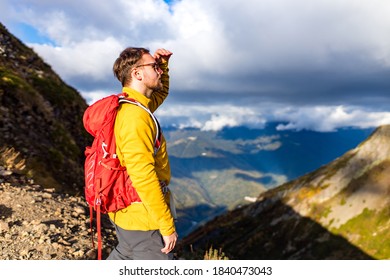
<point>146,229</point>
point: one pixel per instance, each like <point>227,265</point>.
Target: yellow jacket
<point>135,133</point>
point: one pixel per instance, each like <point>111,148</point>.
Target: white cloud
<point>217,122</point>
<point>228,38</point>
<point>321,118</point>
<point>93,96</point>
<point>332,54</point>
<point>317,118</point>
<point>210,117</point>
<point>92,58</point>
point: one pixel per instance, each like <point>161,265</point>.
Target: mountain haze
<point>339,211</point>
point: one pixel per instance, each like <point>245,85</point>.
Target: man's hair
<point>125,62</point>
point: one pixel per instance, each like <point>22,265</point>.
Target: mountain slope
<point>40,117</point>
<point>340,211</point>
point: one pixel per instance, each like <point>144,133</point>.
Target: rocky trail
<point>41,224</point>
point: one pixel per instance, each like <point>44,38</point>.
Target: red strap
<point>98,221</point>
<point>99,233</point>
<point>99,230</point>
<point>90,224</point>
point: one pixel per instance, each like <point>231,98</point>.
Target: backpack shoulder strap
<point>157,141</point>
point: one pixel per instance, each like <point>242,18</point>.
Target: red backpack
<point>108,187</point>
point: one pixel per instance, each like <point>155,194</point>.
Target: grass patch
<point>10,159</point>
<point>214,254</point>
<point>370,231</point>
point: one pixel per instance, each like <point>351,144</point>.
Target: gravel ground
<point>41,224</point>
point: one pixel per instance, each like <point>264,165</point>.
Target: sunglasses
<point>155,65</point>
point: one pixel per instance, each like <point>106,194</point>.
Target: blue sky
<point>318,65</point>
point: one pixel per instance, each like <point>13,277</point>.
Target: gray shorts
<point>138,245</point>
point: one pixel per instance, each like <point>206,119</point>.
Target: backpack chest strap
<point>157,141</point>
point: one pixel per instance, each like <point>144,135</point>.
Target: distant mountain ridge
<point>339,211</point>
<point>213,172</point>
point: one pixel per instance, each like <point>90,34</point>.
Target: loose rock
<point>41,224</point>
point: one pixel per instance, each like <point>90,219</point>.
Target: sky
<point>318,65</point>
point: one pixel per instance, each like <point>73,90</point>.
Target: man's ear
<point>136,74</point>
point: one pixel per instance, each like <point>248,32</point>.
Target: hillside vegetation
<point>40,117</point>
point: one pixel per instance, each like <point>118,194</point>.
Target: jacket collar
<point>132,93</point>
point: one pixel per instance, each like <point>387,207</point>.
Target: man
<point>144,230</point>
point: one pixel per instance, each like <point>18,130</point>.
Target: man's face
<point>151,72</point>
